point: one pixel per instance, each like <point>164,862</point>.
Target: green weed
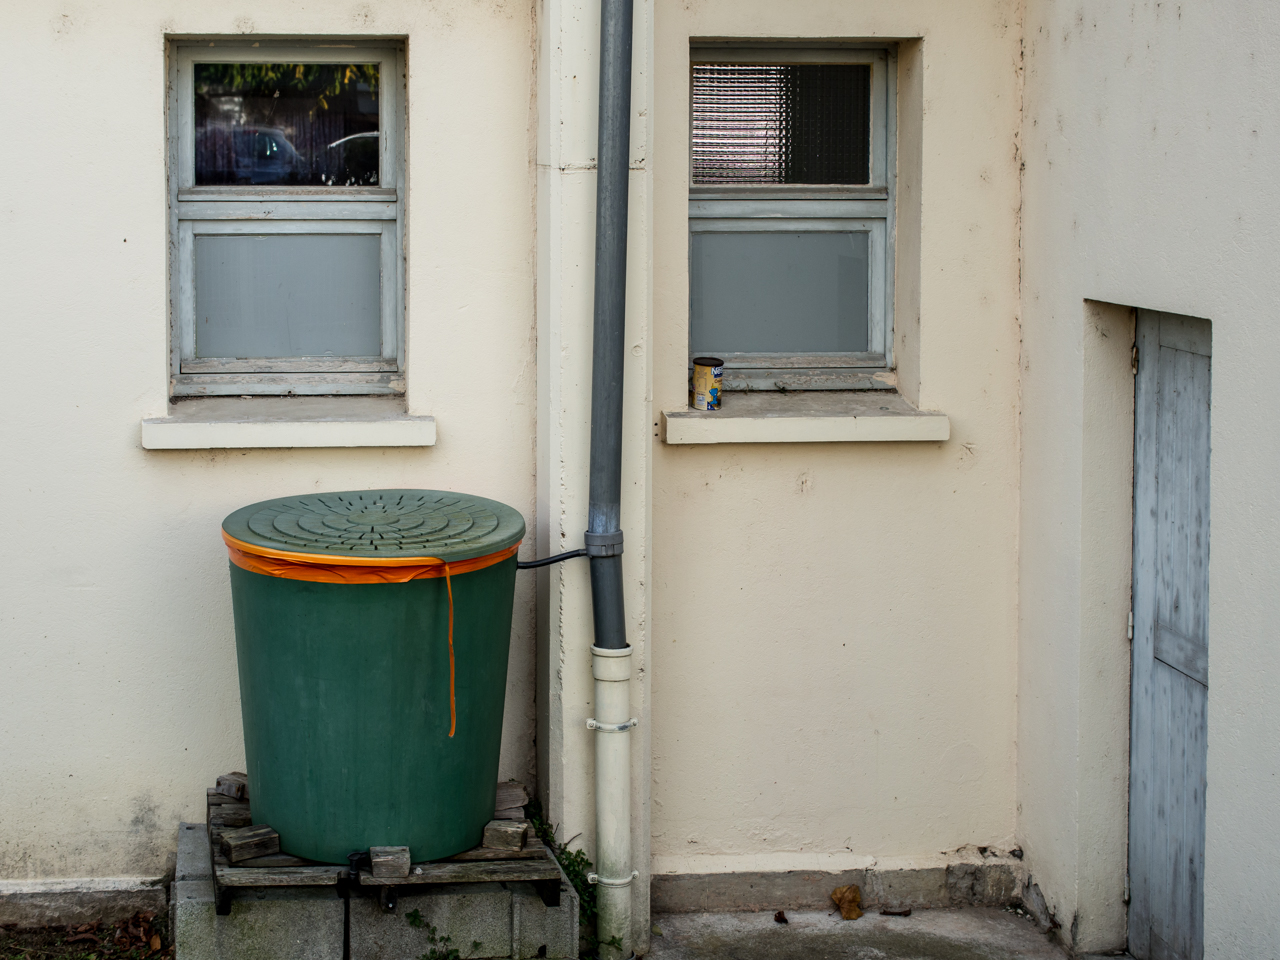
<point>441,948</point>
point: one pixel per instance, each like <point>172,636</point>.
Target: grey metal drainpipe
<point>611,654</point>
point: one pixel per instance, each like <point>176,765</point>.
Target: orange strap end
<point>453,709</point>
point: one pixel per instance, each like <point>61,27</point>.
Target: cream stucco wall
<point>834,625</point>
<point>121,700</point>
<point>844,652</point>
<point>1150,136</point>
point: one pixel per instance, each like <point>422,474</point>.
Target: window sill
<point>227,423</point>
<point>813,417</point>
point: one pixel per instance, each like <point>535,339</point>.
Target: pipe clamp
<point>603,544</point>
<point>594,724</point>
<point>604,882</point>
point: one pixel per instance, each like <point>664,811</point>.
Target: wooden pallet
<point>534,864</point>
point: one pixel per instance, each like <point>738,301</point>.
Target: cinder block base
<point>291,923</point>
<point>482,920</point>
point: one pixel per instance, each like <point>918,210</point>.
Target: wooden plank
<point>233,785</point>
<point>510,793</point>
<point>287,365</point>
<point>505,835</point>
<point>247,842</point>
<point>1142,749</point>
<point>229,816</point>
<point>533,850</point>
<point>239,876</point>
<point>1181,652</point>
<point>452,871</point>
<point>389,861</point>
<point>274,860</point>
<point>266,384</point>
<point>214,798</point>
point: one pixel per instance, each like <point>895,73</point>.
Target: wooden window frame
<point>285,210</point>
<point>758,208</point>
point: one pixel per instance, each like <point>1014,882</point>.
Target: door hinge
<point>1130,632</point>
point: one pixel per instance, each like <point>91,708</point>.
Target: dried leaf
<point>155,941</point>
<point>849,900</point>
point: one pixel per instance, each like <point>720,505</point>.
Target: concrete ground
<point>971,933</point>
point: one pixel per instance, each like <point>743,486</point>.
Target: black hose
<point>547,561</point>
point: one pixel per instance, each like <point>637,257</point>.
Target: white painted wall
<point>834,625</point>
<point>1150,136</point>
<point>121,700</point>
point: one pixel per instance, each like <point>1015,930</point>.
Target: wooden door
<point>1170,638</point>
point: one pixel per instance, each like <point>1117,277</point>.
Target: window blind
<point>785,123</point>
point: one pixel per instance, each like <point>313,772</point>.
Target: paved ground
<point>975,933</point>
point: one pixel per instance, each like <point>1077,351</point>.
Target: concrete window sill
<point>813,417</point>
<point>225,423</point>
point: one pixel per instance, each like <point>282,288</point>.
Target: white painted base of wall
<point>834,416</point>
<point>36,903</point>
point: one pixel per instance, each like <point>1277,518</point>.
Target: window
<point>791,214</point>
<point>286,218</point>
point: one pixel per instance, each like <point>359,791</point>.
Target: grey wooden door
<point>1170,638</point>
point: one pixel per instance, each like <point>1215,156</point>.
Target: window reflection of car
<point>353,161</point>
<point>253,154</point>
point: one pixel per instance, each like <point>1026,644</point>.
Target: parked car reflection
<point>248,155</point>
<point>353,161</point>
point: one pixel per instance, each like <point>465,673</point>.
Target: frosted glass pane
<point>314,295</point>
<point>779,292</point>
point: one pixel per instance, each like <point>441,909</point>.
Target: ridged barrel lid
<point>380,524</point>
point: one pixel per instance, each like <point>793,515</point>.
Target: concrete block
<point>193,853</point>
<point>986,883</point>
<point>293,923</point>
<point>300,923</point>
<point>59,903</point>
<point>465,913</point>
<point>896,888</point>
<point>714,892</point>
<point>541,931</point>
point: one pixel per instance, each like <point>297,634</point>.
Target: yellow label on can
<point>708,377</point>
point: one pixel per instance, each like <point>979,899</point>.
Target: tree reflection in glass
<point>301,124</point>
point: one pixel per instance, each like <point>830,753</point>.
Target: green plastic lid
<point>380,523</point>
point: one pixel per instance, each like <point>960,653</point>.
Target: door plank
<point>1170,649</point>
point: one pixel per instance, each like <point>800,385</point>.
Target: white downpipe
<point>612,725</point>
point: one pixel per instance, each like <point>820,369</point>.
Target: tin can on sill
<point>708,380</point>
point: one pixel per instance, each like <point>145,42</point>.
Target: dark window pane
<point>307,124</point>
<point>288,295</point>
<point>778,293</point>
<point>798,123</point>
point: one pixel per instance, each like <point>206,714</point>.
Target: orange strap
<point>320,568</point>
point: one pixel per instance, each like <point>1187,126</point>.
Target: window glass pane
<point>314,295</point>
<point>797,123</point>
<point>313,124</point>
<point>779,292</point>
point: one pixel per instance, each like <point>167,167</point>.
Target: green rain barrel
<point>369,718</point>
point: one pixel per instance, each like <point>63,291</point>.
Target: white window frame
<point>759,208</point>
<point>283,210</point>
